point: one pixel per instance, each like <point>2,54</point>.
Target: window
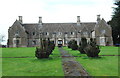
<point>66,35</point>
<point>66,42</point>
<point>93,34</point>
<point>34,42</point>
<point>72,33</point>
<point>102,41</point>
<point>17,33</point>
<point>59,33</point>
<point>46,33</point>
<point>102,31</point>
<point>17,41</point>
<point>59,41</point>
<point>53,35</point>
<point>33,33</point>
<point>85,34</point>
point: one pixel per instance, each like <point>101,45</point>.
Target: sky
<point>52,11</point>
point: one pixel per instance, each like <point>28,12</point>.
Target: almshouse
<point>28,35</point>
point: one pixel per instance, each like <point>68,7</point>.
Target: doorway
<point>60,42</point>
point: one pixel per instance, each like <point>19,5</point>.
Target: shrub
<point>51,45</point>
<point>69,44</point>
<point>92,50</point>
<point>74,45</point>
<point>82,45</point>
<point>42,53</point>
<point>45,49</point>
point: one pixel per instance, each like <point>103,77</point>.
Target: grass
<point>30,66</point>
<point>0,62</point>
<point>104,66</point>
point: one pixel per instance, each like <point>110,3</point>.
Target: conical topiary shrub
<point>92,50</point>
<point>69,44</point>
<point>45,49</point>
<point>74,45</point>
<point>82,45</point>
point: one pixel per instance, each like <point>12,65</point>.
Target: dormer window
<point>72,33</point>
<point>46,33</point>
<point>85,34</point>
<point>59,33</point>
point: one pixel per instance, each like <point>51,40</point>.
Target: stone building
<point>28,35</point>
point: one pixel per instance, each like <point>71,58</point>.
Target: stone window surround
<point>103,31</point>
<point>59,33</point>
<point>102,41</point>
<point>72,33</point>
<point>33,33</point>
<point>34,42</point>
<point>85,34</point>
<point>17,33</point>
<point>14,41</point>
<point>45,33</point>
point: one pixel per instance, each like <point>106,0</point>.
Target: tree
<point>2,38</point>
<point>115,23</point>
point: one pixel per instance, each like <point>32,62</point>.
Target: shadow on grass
<point>46,59</point>
<point>100,57</point>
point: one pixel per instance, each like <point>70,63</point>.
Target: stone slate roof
<point>30,27</point>
<point>59,27</point>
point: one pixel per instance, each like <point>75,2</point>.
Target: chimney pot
<point>98,18</point>
<point>78,20</point>
<point>40,20</point>
<point>20,19</point>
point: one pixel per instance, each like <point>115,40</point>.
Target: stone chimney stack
<point>78,20</point>
<point>98,18</point>
<point>20,19</point>
<point>40,20</point>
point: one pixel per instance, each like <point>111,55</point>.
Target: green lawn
<point>0,62</point>
<point>104,66</point>
<point>30,66</point>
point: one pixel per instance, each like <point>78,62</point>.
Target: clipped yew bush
<point>92,50</point>
<point>45,49</point>
<point>82,45</point>
<point>69,44</point>
<point>74,45</point>
<point>42,53</point>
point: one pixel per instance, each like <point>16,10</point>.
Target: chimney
<point>98,18</point>
<point>78,20</point>
<point>40,20</point>
<point>20,19</point>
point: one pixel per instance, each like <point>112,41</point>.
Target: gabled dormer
<point>85,32</point>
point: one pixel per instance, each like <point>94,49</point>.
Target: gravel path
<point>70,66</point>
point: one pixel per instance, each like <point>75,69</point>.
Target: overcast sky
<point>52,11</point>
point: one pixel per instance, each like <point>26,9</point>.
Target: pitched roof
<point>59,27</point>
<point>30,27</point>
